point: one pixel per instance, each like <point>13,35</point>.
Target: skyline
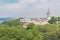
<point>29,8</point>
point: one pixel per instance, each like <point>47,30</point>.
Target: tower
<point>48,15</point>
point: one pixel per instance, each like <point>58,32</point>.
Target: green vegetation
<point>54,20</point>
<point>12,23</point>
<point>13,30</point>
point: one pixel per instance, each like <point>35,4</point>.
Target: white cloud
<point>32,7</point>
<point>23,4</point>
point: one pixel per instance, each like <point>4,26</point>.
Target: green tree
<point>30,26</point>
<point>52,20</point>
<point>12,23</point>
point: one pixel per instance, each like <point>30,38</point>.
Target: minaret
<point>48,15</point>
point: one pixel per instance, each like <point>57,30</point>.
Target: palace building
<point>41,21</point>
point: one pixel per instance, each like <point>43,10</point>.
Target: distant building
<point>41,21</point>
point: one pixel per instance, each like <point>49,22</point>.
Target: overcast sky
<point>29,8</point>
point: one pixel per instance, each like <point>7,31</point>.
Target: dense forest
<point>13,30</point>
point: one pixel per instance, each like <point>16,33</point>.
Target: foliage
<point>54,20</point>
<point>30,26</point>
<point>12,23</point>
<point>38,32</point>
<point>12,30</point>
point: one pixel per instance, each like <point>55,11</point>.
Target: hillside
<point>13,30</point>
<point>12,23</point>
<point>43,32</point>
<point>6,19</point>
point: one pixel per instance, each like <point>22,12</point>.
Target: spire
<point>48,15</point>
<point>48,12</point>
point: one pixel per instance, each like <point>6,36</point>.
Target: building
<point>41,21</point>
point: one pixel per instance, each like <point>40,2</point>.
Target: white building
<point>41,21</point>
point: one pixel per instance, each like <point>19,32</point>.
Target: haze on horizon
<point>29,8</point>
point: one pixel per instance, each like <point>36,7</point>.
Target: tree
<point>30,26</point>
<point>12,23</point>
<point>52,20</point>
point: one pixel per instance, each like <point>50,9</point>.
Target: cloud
<point>9,1</point>
<point>23,4</point>
<point>26,8</point>
<point>29,3</point>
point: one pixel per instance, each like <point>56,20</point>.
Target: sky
<point>29,8</point>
